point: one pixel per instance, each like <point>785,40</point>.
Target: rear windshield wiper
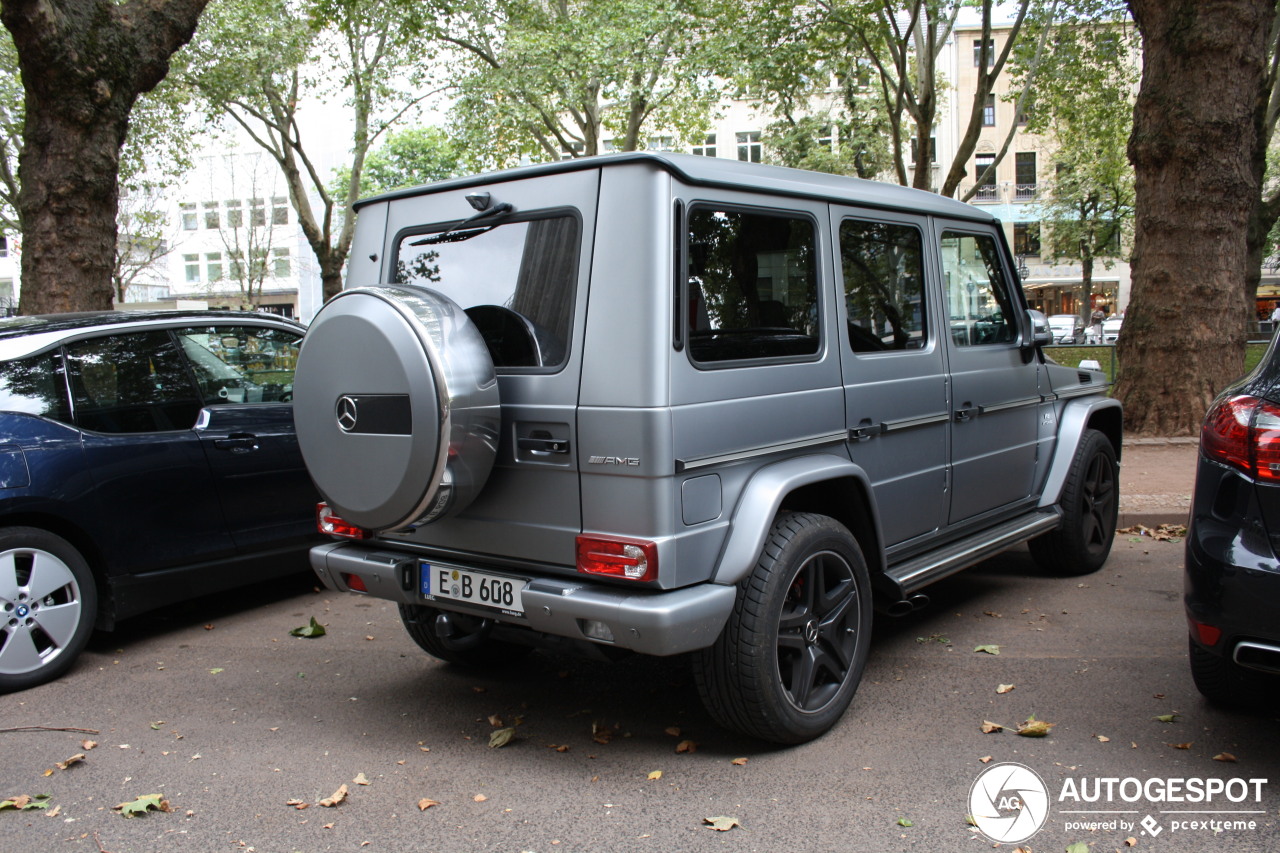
<point>459,231</point>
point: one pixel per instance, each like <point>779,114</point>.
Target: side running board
<point>903,579</point>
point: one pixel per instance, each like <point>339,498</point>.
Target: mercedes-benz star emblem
<point>347,413</point>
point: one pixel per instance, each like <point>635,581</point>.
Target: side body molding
<point>763,496</point>
<point>1076,417</point>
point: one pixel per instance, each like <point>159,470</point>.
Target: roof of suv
<point>26,335</point>
<point>721,172</point>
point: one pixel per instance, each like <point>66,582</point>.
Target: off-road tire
<point>471,646</point>
<point>788,662</point>
<point>1090,506</point>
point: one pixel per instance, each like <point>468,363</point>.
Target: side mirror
<point>1041,334</point>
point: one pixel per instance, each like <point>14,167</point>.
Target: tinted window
<point>883,285</point>
<point>753,285</point>
<point>131,383</point>
<point>241,364</point>
<point>35,386</point>
<point>516,282</point>
<point>978,298</point>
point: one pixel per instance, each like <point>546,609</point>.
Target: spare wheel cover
<point>387,381</point>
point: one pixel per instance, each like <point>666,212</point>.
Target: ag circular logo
<point>348,413</point>
<point>1009,802</point>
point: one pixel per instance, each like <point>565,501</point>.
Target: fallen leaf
<point>143,804</point>
<point>674,731</point>
<point>338,796</point>
<point>360,779</point>
<point>686,746</point>
<point>1224,756</point>
<point>655,775</point>
<point>739,761</point>
<point>722,823</point>
<point>1078,847</point>
<point>1131,842</point>
<point>297,804</point>
<point>54,812</point>
<point>155,727</point>
<point>75,759</point>
<point>208,627</point>
<point>478,689</point>
<point>968,819</point>
<point>1186,745</point>
<point>495,721</point>
<point>315,629</point>
<point>902,821</point>
<point>25,802</point>
<point>425,804</point>
<point>1035,728</point>
<point>1103,739</point>
<point>986,759</point>
<point>501,737</point>
<point>88,744</point>
<point>1167,718</point>
<point>989,727</point>
<point>215,670</point>
<point>991,649</point>
<point>1004,688</point>
<point>479,798</point>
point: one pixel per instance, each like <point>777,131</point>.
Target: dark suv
<point>667,404</point>
<point>144,458</point>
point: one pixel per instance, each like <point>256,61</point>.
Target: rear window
<point>516,280</point>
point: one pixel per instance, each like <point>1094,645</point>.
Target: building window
<point>235,266</point>
<point>1024,176</point>
<point>986,185</point>
<point>190,221</point>
<point>235,214</point>
<point>660,143</point>
<point>933,149</point>
<point>707,148</point>
<point>749,147</point>
<point>213,266</point>
<point>1026,238</point>
<point>192,265</point>
<point>989,111</point>
<point>211,218</point>
<point>279,210</point>
<point>280,265</point>
<point>257,213</point>
<point>977,53</point>
<point>826,138</point>
<point>4,246</point>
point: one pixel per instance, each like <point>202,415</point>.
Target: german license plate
<point>479,588</point>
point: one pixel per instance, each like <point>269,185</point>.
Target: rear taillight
<point>1244,432</point>
<point>629,559</point>
<point>329,523</point>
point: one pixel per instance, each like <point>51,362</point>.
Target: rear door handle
<point>238,442</point>
<point>963,415</point>
<point>544,445</point>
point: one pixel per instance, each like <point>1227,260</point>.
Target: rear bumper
<point>654,623</point>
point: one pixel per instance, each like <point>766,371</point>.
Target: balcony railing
<point>986,192</point>
<point>1024,192</point>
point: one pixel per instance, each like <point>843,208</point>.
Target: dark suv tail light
<point>1244,432</point>
<point>327,522</point>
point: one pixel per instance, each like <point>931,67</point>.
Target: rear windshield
<point>515,280</point>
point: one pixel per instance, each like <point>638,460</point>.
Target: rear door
<point>523,282</point>
<point>995,390</point>
<point>894,370</point>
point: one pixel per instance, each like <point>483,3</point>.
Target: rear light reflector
<point>629,559</point>
<point>329,523</point>
<point>1206,634</point>
<point>1244,432</point>
<point>354,582</point>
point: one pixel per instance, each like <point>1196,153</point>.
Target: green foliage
<point>408,158</point>
<point>543,80</point>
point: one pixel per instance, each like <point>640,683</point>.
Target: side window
<point>979,303</point>
<point>35,386</point>
<point>753,285</point>
<point>131,383</point>
<point>883,285</point>
<point>241,364</point>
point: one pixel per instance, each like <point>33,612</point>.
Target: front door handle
<point>544,445</point>
<point>965,414</point>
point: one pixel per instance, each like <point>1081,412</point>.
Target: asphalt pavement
<point>245,730</point>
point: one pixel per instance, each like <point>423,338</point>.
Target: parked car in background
<point>1233,543</point>
<point>145,458</point>
<point>1111,329</point>
<point>1067,329</point>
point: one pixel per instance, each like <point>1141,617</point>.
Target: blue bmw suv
<point>145,458</point>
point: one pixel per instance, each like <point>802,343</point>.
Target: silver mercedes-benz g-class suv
<point>674,404</point>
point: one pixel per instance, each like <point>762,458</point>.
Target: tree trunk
<point>1192,146</point>
<point>84,63</point>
